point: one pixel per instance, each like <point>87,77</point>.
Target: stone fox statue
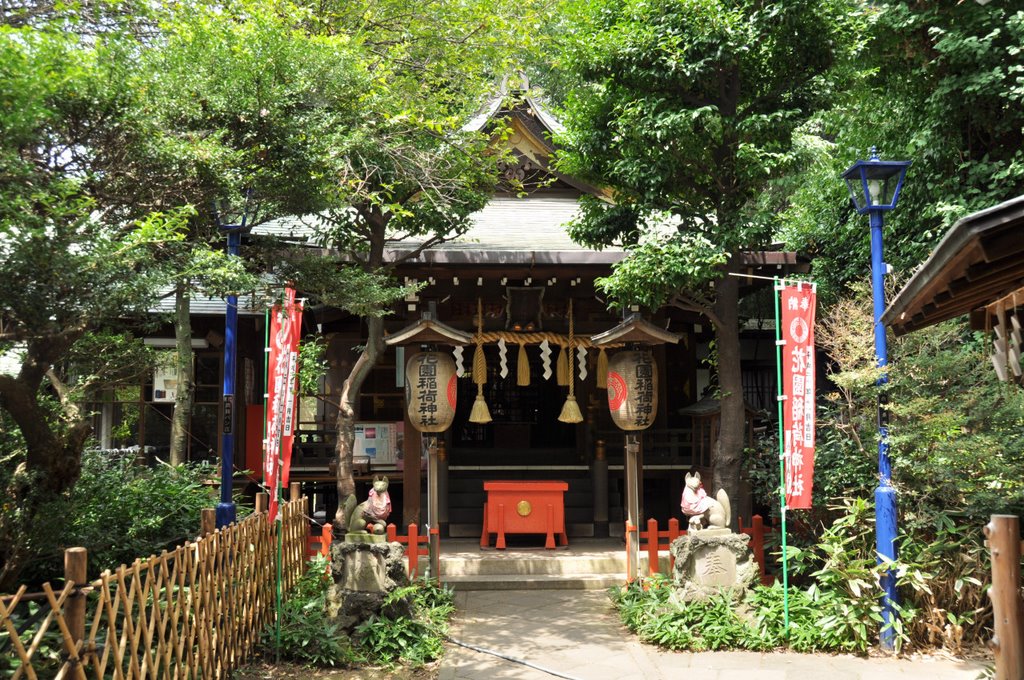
<point>697,503</point>
<point>371,515</point>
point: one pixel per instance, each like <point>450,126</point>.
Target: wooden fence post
<point>207,522</point>
<point>673,534</point>
<point>294,491</point>
<point>413,551</point>
<point>652,547</point>
<point>757,524</point>
<point>75,567</point>
<point>1003,532</point>
<point>262,501</point>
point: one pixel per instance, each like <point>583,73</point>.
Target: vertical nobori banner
<point>282,376</point>
<point>798,380</point>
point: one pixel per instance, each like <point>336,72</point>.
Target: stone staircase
<point>586,564</point>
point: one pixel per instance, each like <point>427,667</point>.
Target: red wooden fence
<point>321,545</point>
<point>756,532</point>
<point>654,541</point>
<point>415,546</point>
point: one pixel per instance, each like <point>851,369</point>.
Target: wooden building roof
<point>976,265</point>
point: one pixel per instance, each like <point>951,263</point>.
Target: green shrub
<point>415,639</point>
<point>307,635</point>
<point>818,620</point>
<point>121,511</point>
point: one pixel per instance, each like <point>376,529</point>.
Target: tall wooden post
<point>1003,532</point>
<point>442,486</point>
<point>599,480</point>
<point>294,491</point>
<point>76,562</point>
<point>207,522</point>
<point>262,501</point>
<point>412,450</point>
<point>432,504</point>
<point>632,500</point>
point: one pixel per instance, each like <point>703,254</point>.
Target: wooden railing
<point>654,541</point>
<point>415,545</point>
<point>194,612</point>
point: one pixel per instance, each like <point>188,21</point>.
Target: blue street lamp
<point>233,224</point>
<point>874,188</point>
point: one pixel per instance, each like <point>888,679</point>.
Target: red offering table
<point>523,507</point>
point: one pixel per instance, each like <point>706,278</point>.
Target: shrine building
<point>536,290</point>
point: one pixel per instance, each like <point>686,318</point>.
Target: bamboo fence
<point>194,612</point>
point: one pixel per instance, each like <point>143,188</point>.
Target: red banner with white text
<point>798,380</point>
<point>282,389</point>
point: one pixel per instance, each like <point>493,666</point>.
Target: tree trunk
<point>348,413</point>
<point>53,459</point>
<point>727,455</point>
<point>184,373</point>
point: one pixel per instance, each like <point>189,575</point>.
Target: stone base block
<point>712,561</point>
<point>364,573</point>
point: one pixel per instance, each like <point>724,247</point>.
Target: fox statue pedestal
<point>364,573</point>
<point>365,567</point>
<point>711,561</point>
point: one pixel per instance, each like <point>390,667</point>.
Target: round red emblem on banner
<point>617,391</point>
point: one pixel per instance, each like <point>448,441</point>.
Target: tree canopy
<point>935,83</point>
<point>686,111</point>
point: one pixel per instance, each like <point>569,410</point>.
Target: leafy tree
<point>950,456</point>
<point>69,264</point>
<point>686,109</point>
<point>255,103</point>
<point>936,83</point>
<point>407,176</point>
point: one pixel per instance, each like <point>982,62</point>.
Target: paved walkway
<point>577,635</point>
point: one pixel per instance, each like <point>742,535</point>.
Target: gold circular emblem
<point>524,508</point>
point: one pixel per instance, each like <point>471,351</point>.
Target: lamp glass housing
<point>875,184</point>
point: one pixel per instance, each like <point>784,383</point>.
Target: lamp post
<point>874,187</point>
<point>233,225</point>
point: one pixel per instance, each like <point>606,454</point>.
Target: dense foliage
<point>960,456</point>
<point>410,628</point>
<point>122,126</point>
<point>955,462</point>
<point>834,596</point>
<point>415,639</point>
<point>820,620</point>
<point>686,112</point>
<point>307,635</point>
<point>937,83</point>
<point>121,511</point>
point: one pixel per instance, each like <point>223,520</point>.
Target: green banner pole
<point>777,286</point>
<point>277,521</point>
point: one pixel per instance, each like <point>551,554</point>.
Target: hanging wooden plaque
<point>431,387</point>
<point>633,389</point>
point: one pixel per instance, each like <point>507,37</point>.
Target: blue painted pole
<point>885,494</point>
<point>226,507</point>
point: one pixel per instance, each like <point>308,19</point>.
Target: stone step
<point>539,582</point>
